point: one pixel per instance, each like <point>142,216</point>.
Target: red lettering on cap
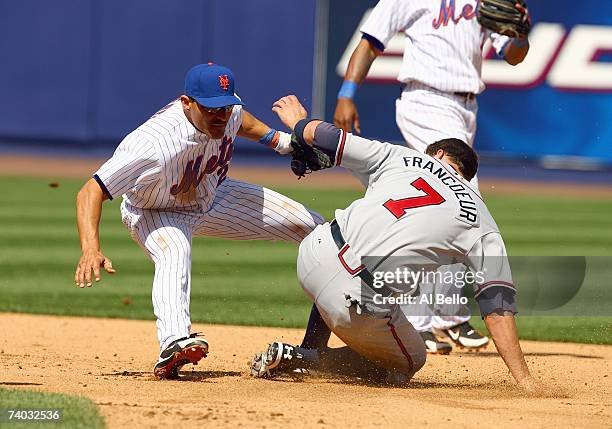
<point>224,82</point>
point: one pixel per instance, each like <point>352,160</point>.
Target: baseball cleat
<point>433,345</point>
<point>180,352</point>
<point>280,358</point>
<point>466,337</point>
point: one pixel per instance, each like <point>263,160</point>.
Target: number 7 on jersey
<point>431,198</point>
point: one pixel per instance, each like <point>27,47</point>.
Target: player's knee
<point>419,357</point>
<point>411,362</point>
<point>170,259</point>
<point>410,366</point>
<point>317,220</point>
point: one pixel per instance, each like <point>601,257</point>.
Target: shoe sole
<point>472,349</point>
<point>190,354</point>
<point>439,352</point>
<point>272,359</point>
<point>262,363</point>
<point>462,347</point>
<point>257,366</point>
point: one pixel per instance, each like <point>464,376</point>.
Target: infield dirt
<point>110,361</point>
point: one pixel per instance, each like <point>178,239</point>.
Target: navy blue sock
<point>310,357</point>
<point>317,333</point>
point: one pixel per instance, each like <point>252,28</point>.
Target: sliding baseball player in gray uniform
<point>419,212</point>
<point>172,172</point>
<point>441,78</point>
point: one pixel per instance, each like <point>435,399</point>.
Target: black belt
<point>365,275</point>
<point>469,95</point>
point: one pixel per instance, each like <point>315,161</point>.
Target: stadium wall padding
<point>91,71</point>
<point>88,72</point>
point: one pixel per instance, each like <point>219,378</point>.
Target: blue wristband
<point>267,139</point>
<point>348,89</point>
<point>520,43</point>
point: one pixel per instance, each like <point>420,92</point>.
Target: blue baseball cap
<point>211,85</point>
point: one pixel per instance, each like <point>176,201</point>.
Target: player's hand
<point>289,110</point>
<point>346,116</point>
<point>91,260</point>
<point>531,386</point>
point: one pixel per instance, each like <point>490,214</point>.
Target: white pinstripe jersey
<point>419,210</point>
<point>166,163</point>
<point>444,41</point>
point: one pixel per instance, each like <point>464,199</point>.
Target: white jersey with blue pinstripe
<point>174,183</point>
<point>166,163</point>
<point>444,41</point>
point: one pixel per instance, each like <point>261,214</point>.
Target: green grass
<point>250,283</point>
<point>77,412</point>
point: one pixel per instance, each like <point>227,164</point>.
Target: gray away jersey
<point>418,210</point>
<point>167,164</point>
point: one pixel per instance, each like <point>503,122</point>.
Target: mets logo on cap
<point>211,85</point>
<point>224,81</point>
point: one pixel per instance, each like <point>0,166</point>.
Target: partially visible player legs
<point>240,211</point>
<point>451,319</point>
<point>317,332</point>
<point>244,211</point>
<point>167,241</point>
<point>282,358</point>
<point>383,340</point>
<point>421,316</point>
<point>425,116</point>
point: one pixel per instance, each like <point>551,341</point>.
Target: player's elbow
<point>82,195</point>
<point>90,190</point>
<point>368,49</point>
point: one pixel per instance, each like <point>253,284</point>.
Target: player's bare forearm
<point>89,210</point>
<point>363,56</point>
<point>516,51</point>
<point>252,128</point>
<point>505,336</point>
<point>346,115</point>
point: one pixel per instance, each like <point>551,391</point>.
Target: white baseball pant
<point>240,211</point>
<point>386,338</point>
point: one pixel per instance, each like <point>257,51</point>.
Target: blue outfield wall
<point>89,72</point>
<point>559,102</point>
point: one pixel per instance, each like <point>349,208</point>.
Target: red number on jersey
<point>431,198</point>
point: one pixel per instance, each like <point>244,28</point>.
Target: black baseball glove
<point>306,158</point>
<point>507,17</point>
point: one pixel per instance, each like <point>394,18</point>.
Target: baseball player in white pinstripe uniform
<point>418,211</point>
<point>441,77</point>
<point>172,173</point>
